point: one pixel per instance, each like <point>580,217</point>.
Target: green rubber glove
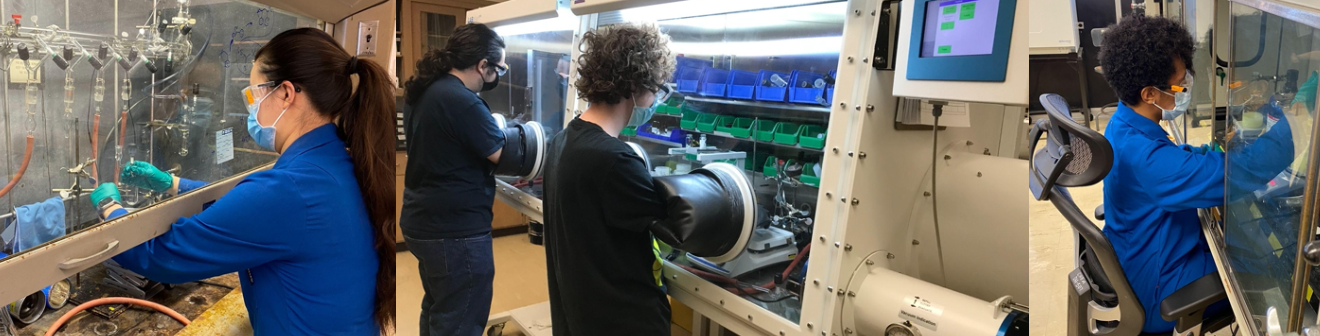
<point>103,191</point>
<point>143,175</point>
<point>1207,148</point>
<point>1306,93</point>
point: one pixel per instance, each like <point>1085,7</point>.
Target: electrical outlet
<point>367,37</point>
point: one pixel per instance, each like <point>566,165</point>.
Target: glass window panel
<point>1272,58</point>
<point>438,28</point>
<point>535,89</point>
<point>781,160</point>
<point>175,116</point>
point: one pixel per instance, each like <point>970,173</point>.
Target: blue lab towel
<point>39,223</point>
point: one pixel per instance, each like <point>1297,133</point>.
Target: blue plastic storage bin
<point>713,82</point>
<point>829,93</point>
<point>675,135</point>
<point>770,93</point>
<point>801,95</point>
<point>742,84</point>
<point>688,79</point>
<point>685,62</point>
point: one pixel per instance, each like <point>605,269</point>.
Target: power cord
<point>937,110</point>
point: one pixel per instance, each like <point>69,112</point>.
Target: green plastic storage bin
<point>765,130</point>
<point>812,136</point>
<point>724,124</point>
<point>742,128</point>
<point>689,120</point>
<point>752,162</point>
<point>629,131</point>
<point>769,168</point>
<point>670,110</point>
<point>786,133</point>
<point>706,122</point>
<point>809,175</point>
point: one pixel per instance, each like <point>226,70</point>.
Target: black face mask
<point>487,86</point>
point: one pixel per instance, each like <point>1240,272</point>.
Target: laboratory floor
<point>519,281</point>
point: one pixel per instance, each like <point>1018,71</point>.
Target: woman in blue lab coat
<point>313,237</point>
<point>1154,188</point>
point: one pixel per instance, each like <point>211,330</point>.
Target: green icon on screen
<point>946,25</point>
<point>949,9</point>
<point>944,50</point>
<point>968,11</point>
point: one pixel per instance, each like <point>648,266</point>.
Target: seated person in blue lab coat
<point>1154,188</point>
<point>313,237</point>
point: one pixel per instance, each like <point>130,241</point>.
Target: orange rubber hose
<point>96,132</point>
<point>27,158</point>
<point>115,300</point>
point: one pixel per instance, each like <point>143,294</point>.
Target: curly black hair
<point>1139,51</point>
<point>467,46</point>
<point>620,60</point>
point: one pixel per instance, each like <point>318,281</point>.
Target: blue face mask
<point>640,115</point>
<point>264,135</point>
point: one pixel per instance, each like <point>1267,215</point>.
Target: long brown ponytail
<point>368,126</point>
<point>311,59</point>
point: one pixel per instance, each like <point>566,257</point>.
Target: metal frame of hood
<point>317,9</point>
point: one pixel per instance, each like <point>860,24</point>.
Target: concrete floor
<point>519,281</point>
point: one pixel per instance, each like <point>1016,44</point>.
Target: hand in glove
<point>106,199</point>
<point>143,175</point>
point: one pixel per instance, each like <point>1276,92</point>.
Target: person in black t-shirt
<point>453,146</point>
<point>602,262</point>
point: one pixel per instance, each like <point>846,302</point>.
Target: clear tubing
<point>119,146</point>
<point>96,132</point>
<point>31,97</point>
<point>68,95</point>
<point>98,92</point>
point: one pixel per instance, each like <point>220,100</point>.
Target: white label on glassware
<point>224,145</point>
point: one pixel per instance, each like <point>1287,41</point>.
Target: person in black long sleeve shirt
<point>602,261</point>
<point>453,146</point>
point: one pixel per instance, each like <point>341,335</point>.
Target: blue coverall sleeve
<point>258,221</point>
<point>1180,178</point>
<point>1250,167</point>
<point>186,185</point>
<point>116,213</point>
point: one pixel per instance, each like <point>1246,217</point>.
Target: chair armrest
<point>1193,298</point>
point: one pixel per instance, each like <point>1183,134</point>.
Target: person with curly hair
<point>453,147</point>
<point>601,261</point>
<point>1154,187</point>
